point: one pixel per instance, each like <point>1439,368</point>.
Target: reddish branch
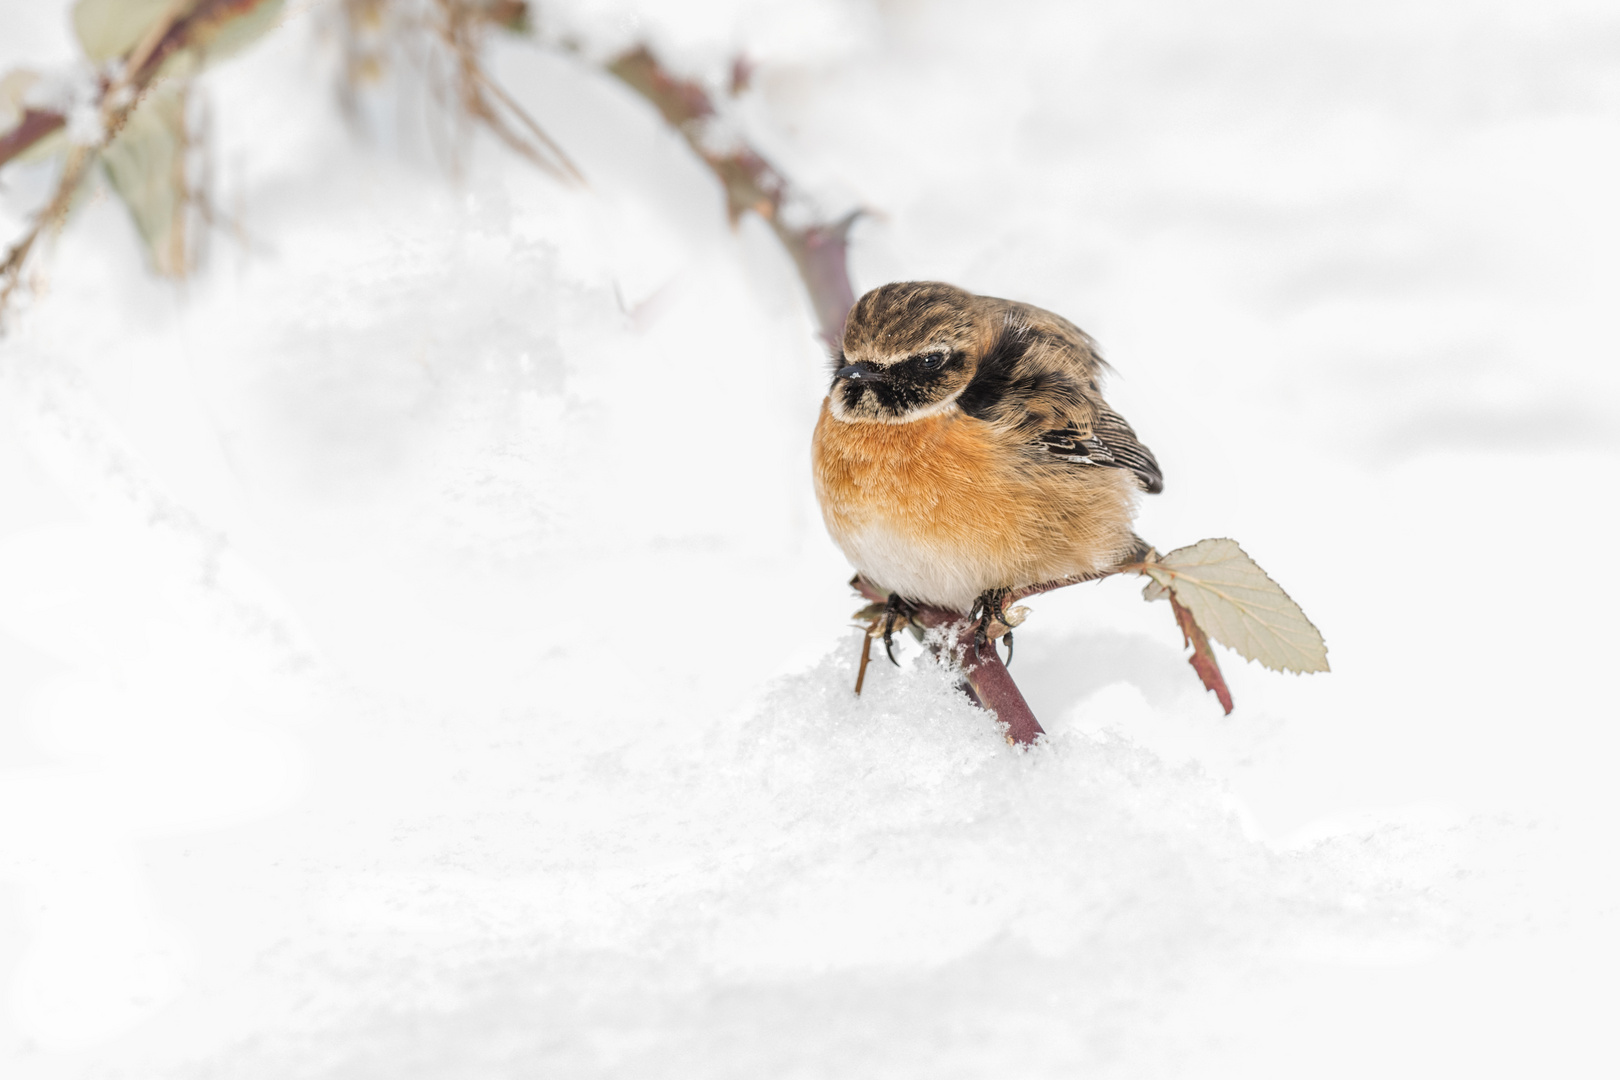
<point>184,30</point>
<point>1203,657</point>
<point>189,29</point>
<point>986,678</point>
<point>36,125</point>
<point>751,183</point>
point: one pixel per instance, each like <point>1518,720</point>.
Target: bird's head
<point>910,349</point>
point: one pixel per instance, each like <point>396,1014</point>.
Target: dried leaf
<point>1203,657</point>
<point>146,166</point>
<point>1234,602</point>
<point>870,612</point>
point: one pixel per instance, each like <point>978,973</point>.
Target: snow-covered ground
<point>420,654</point>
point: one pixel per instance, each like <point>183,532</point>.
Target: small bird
<point>964,450</point>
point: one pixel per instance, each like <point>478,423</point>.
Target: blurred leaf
<point>1233,600</point>
<point>14,87</point>
<point>237,26</point>
<point>512,16</point>
<point>107,29</point>
<point>146,166</point>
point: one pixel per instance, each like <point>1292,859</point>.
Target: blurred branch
<point>463,26</point>
<point>192,25</point>
<point>373,32</point>
<point>751,183</point>
<point>445,40</point>
<point>36,126</point>
<point>11,270</point>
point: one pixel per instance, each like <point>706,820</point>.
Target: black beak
<point>861,371</point>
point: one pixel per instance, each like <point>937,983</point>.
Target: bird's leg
<point>991,606</point>
<point>898,610</point>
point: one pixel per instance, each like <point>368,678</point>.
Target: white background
<point>420,654</point>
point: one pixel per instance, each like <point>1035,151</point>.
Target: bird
<point>964,450</point>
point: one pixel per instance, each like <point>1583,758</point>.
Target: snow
<point>422,655</point>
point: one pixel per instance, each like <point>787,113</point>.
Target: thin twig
<point>866,658</point>
<point>11,270</point>
<point>562,164</point>
<point>462,31</point>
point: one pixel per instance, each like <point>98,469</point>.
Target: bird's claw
<point>991,610</point>
<point>989,606</point>
<point>897,612</point>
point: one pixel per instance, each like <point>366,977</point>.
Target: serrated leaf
<point>146,166</point>
<point>1235,603</point>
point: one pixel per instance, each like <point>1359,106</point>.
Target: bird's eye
<point>932,361</point>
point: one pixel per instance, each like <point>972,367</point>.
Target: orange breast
<point>938,479</point>
<point>941,509</point>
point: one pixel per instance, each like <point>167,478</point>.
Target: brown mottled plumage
<point>964,448</point>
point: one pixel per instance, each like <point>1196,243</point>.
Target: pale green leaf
<point>1235,603</point>
<point>228,35</point>
<point>146,167</point>
<point>107,29</point>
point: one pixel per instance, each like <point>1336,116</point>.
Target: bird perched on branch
<point>964,450</point>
